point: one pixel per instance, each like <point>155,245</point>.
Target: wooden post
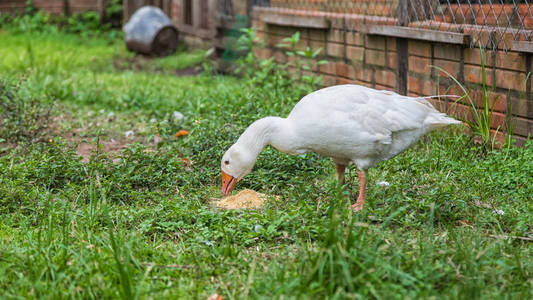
<point>401,47</point>
<point>66,7</point>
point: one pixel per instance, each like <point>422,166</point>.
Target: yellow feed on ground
<point>244,199</point>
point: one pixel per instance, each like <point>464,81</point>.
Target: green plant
<point>21,118</point>
<point>269,72</point>
<point>509,125</point>
<point>481,121</point>
<point>302,61</point>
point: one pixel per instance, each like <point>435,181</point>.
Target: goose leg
<point>340,173</point>
<point>360,203</point>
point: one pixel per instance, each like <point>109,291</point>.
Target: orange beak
<point>228,182</point>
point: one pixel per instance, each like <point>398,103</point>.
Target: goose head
<point>236,163</point>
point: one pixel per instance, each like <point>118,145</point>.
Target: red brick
<point>315,45</point>
<point>273,40</point>
<point>317,34</point>
<point>260,35</point>
<point>499,140</point>
<point>328,80</point>
<point>511,80</point>
<point>363,83</point>
<point>364,74</point>
<point>391,44</point>
<point>341,80</point>
<point>419,48</point>
<point>522,126</point>
<point>280,57</point>
<point>334,49</point>
<point>392,60</point>
<point>259,25</point>
<point>355,53</point>
<point>511,60</point>
<point>427,87</point>
<point>521,107</point>
<point>263,53</point>
<point>496,100</point>
<point>386,78</point>
<point>375,42</point>
<point>453,89</point>
<point>498,120</point>
<point>447,51</point>
<point>413,85</point>
<point>452,67</point>
<point>375,57</point>
<point>335,36</point>
<point>420,65</point>
<point>463,112</point>
<point>302,45</point>
<point>473,56</point>
<point>355,38</point>
<point>343,69</point>
<point>383,87</point>
<point>329,68</point>
<point>473,74</point>
<point>421,86</point>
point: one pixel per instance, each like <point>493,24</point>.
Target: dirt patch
<point>143,63</point>
<point>85,150</point>
<point>191,71</point>
<point>136,63</point>
<point>244,199</point>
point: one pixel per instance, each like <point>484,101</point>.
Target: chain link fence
<point>493,24</point>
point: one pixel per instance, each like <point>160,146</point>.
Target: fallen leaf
<point>181,133</point>
<point>464,223</point>
<point>215,296</point>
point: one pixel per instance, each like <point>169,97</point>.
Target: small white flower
<point>110,114</point>
<point>102,111</point>
<point>383,183</point>
<point>177,115</point>
<point>257,228</point>
<point>129,133</point>
<point>499,212</point>
<point>153,120</point>
<point>208,243</point>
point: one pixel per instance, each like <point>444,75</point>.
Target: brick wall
<point>372,60</point>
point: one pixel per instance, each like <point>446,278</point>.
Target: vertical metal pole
<point>401,47</point>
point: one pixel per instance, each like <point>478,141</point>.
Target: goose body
<point>349,123</point>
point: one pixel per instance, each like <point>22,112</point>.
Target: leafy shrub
<point>22,119</point>
<point>86,24</point>
<point>270,74</point>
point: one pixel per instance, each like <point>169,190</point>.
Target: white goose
<point>349,123</point>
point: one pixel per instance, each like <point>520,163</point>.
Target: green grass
<point>144,226</point>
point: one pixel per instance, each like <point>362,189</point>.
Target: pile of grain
<point>244,199</point>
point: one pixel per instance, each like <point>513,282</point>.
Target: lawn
<point>105,202</point>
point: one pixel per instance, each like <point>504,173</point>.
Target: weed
<point>480,122</point>
<point>22,119</point>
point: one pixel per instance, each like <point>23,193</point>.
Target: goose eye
<point>226,162</point>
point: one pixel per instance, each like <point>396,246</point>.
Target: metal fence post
<point>401,47</point>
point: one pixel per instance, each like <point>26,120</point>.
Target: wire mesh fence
<point>492,24</point>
